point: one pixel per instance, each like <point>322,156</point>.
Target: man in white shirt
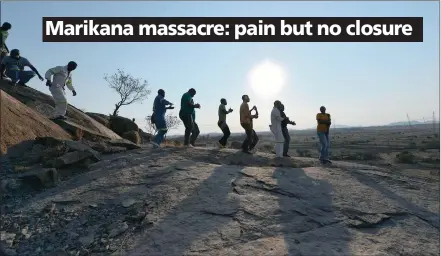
<point>57,78</point>
<point>276,127</point>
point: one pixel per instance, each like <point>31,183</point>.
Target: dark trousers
<point>287,139</point>
<point>225,130</point>
<point>251,138</point>
<point>191,128</point>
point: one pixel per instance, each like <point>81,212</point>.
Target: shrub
<point>405,157</point>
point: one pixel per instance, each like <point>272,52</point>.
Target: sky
<point>359,83</point>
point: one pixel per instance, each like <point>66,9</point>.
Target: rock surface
<point>175,201</point>
<point>43,103</point>
<point>20,125</point>
<point>121,125</point>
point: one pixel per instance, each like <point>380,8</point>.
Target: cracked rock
<point>117,229</point>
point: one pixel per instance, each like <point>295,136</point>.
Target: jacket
<point>61,77</point>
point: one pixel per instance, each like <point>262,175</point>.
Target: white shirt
<point>61,77</point>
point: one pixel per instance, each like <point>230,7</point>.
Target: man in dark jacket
<point>285,131</point>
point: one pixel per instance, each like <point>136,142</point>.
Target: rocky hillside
<point>176,201</point>
<point>88,186</point>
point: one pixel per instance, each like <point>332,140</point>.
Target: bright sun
<point>267,79</point>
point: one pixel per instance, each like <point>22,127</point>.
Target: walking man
<point>14,66</point>
<point>222,123</point>
<point>57,78</point>
<point>285,131</point>
<point>187,115</point>
<point>276,127</point>
<point>160,106</point>
<point>323,125</point>
<point>4,33</point>
<point>246,121</point>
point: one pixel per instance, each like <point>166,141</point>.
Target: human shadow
<point>308,221</point>
<point>198,221</point>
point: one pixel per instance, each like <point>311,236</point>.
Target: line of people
<point>279,124</point>
<point>57,78</point>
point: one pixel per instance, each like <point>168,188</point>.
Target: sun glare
<point>267,79</point>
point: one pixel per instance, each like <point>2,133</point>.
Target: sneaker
<point>246,152</point>
<point>189,146</point>
<point>286,155</point>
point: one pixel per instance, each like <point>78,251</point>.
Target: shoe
<point>189,146</point>
<point>247,152</point>
<point>286,155</point>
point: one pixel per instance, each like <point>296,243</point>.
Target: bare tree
<point>171,121</point>
<point>130,89</point>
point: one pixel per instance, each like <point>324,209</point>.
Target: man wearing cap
<point>57,78</point>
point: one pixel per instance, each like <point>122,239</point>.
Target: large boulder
<point>44,104</point>
<point>121,125</point>
<point>145,137</point>
<point>20,125</point>
<point>132,136</point>
<point>100,118</point>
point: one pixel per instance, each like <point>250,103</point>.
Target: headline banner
<point>232,29</point>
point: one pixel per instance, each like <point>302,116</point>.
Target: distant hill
<point>404,123</point>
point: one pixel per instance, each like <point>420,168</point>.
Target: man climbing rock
<point>57,78</point>
<point>187,115</point>
<point>222,123</point>
<point>14,66</point>
<point>160,106</point>
<point>276,127</point>
<point>323,125</point>
<point>4,33</point>
<point>285,131</point>
<point>246,121</point>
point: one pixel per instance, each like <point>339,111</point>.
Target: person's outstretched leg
<point>323,145</point>
<point>254,140</point>
<point>194,134</point>
<point>25,76</point>
<point>327,147</point>
<point>246,143</point>
<point>227,134</point>
<point>162,130</point>
<point>287,139</point>
<point>187,121</point>
<point>60,100</point>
